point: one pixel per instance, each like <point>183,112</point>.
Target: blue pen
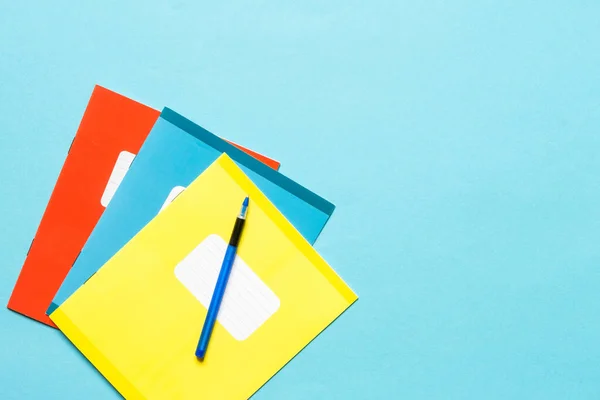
<point>217,297</point>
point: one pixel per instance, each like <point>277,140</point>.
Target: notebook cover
<point>138,322</point>
<point>111,123</point>
<point>112,127</point>
<point>175,153</point>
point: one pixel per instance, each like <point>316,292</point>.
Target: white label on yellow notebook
<point>248,301</point>
<point>176,191</point>
<point>116,177</point>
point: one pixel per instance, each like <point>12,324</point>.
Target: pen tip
<point>244,209</point>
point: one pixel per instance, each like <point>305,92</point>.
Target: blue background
<point>459,140</point>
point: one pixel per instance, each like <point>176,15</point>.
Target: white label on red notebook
<point>176,191</point>
<point>248,302</point>
<point>116,177</point>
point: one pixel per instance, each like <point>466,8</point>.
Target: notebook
<point>111,133</point>
<point>139,318</point>
<point>175,153</point>
<point>112,130</point>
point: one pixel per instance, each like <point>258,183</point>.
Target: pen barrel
<point>215,302</point>
<point>237,232</point>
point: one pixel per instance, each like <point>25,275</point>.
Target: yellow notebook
<point>138,319</point>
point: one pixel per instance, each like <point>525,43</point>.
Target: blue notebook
<point>175,152</point>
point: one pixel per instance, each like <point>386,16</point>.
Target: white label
<point>248,302</point>
<point>176,191</point>
<point>116,177</point>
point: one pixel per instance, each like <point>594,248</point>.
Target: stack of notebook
<point>127,254</point>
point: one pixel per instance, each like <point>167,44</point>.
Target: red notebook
<point>112,130</point>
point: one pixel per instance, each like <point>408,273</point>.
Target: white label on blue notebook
<point>116,177</point>
<point>176,191</point>
<point>248,302</point>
